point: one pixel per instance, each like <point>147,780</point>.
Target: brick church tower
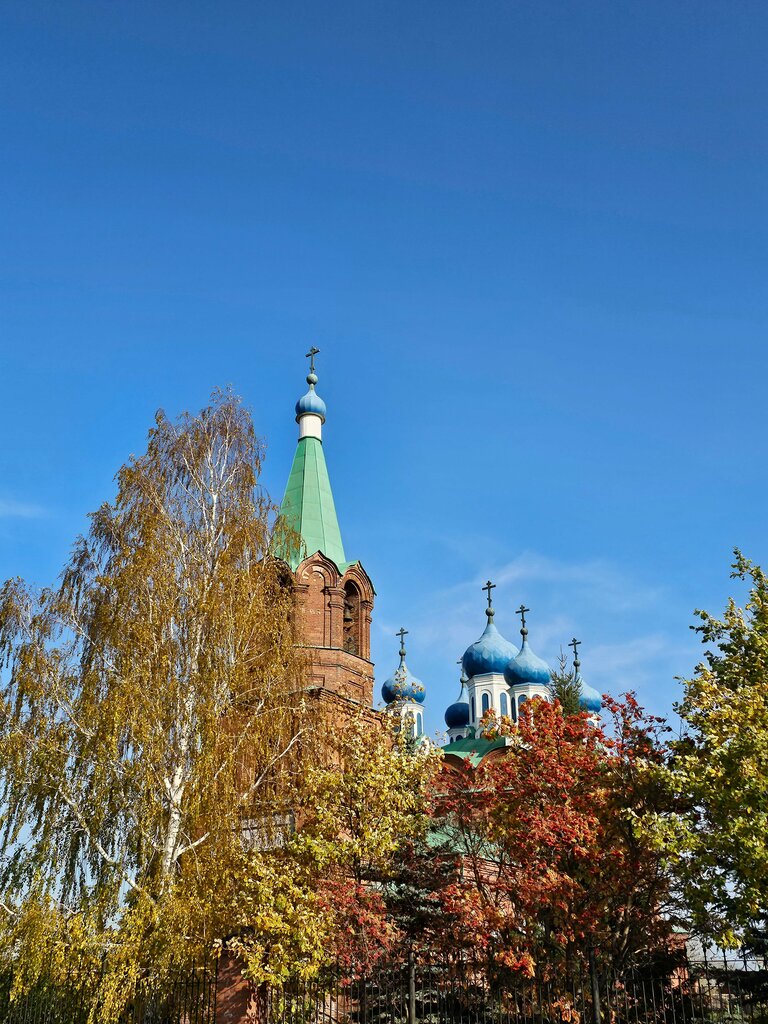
<point>334,596</point>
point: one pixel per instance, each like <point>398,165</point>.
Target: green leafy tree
<point>364,810</point>
<point>719,774</point>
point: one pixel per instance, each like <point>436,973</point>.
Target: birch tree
<point>150,701</point>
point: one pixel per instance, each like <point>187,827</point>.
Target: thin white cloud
<point>562,590</point>
<point>10,509</point>
<point>621,619</point>
<point>599,579</point>
<point>639,662</point>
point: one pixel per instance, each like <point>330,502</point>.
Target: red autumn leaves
<point>552,856</point>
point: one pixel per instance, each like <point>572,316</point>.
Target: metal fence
<point>450,992</point>
<point>460,993</point>
<point>187,999</point>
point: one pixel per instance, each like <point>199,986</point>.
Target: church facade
<point>334,607</point>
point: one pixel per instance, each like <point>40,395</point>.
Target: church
<point>334,606</point>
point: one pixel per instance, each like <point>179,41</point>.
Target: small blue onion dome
<point>526,669</point>
<point>402,685</point>
<point>589,698</point>
<point>311,402</point>
<point>457,714</point>
<point>491,653</point>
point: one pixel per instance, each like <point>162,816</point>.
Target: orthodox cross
<point>576,663</point>
<point>461,662</point>
<point>488,588</point>
<point>521,612</point>
<point>311,357</point>
<point>403,633</point>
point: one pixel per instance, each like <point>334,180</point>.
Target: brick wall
<point>334,621</point>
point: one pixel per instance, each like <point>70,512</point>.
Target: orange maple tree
<point>551,861</point>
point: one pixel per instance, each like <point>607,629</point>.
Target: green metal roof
<point>474,749</point>
<point>308,506</point>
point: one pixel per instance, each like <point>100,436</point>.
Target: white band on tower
<point>310,426</point>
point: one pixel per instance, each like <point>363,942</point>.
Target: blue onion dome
<point>402,685</point>
<point>589,698</point>
<point>311,402</point>
<point>491,653</point>
<point>457,714</point>
<point>527,669</point>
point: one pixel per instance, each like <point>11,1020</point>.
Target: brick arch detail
<point>321,601</point>
<point>320,607</point>
<point>357,577</point>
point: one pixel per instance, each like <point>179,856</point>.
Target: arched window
<point>472,708</point>
<point>504,704</point>
<point>316,604</point>
<point>521,700</point>
<point>513,710</point>
<point>419,724</point>
<point>486,702</point>
<point>351,618</point>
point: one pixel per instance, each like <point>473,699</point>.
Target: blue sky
<point>529,239</point>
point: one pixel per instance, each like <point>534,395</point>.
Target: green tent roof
<point>308,506</point>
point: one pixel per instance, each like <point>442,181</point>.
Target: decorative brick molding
<point>333,615</point>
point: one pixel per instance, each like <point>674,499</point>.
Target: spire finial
<point>489,610</point>
<point>312,376</point>
<point>576,663</point>
<point>521,612</point>
<point>402,633</point>
<point>310,408</point>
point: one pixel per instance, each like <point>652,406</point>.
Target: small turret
<point>526,674</point>
<point>484,663</point>
<point>589,699</point>
<point>310,408</point>
<point>405,693</point>
<point>457,714</point>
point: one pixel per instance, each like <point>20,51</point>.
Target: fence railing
<point>188,999</point>
<point>461,993</point>
<point>450,992</point>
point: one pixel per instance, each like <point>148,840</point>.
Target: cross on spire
<point>402,633</point>
<point>576,663</point>
<point>462,677</point>
<point>311,357</point>
<point>521,612</point>
<point>488,588</point>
